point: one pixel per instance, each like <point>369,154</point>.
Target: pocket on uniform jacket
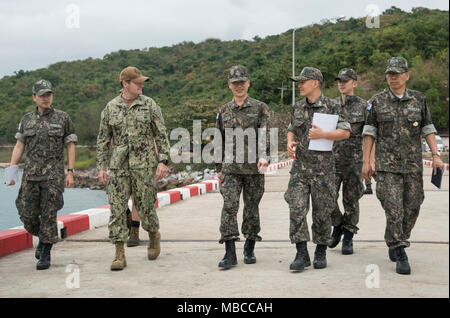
<point>386,124</point>
<point>415,119</point>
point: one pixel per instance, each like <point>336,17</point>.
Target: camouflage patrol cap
<point>308,73</point>
<point>41,87</point>
<point>131,73</point>
<point>347,74</point>
<point>238,73</point>
<point>397,65</point>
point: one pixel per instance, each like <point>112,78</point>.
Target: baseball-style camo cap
<point>238,73</point>
<point>347,74</point>
<point>308,73</point>
<point>41,87</point>
<point>131,73</point>
<point>397,65</point>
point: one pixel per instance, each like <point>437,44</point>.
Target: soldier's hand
<point>69,180</point>
<point>316,133</point>
<point>367,171</point>
<point>11,183</point>
<point>102,177</point>
<point>161,171</point>
<point>219,174</point>
<point>262,164</point>
<point>290,147</point>
<point>437,163</point>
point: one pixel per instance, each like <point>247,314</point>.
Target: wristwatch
<point>165,161</point>
<point>70,170</point>
<point>435,154</point>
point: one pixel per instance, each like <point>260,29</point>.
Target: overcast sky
<point>35,34</point>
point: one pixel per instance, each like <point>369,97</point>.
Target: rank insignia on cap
<point>416,124</point>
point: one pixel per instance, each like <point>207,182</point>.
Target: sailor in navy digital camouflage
<point>133,160</point>
<point>397,123</point>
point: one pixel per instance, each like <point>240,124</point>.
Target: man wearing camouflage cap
<point>240,168</point>
<point>396,120</point>
<point>43,134</point>
<point>133,121</point>
<point>348,158</point>
<point>313,172</point>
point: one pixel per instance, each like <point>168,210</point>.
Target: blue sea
<point>75,200</point>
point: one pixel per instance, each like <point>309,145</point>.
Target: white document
<point>12,173</point>
<point>326,122</point>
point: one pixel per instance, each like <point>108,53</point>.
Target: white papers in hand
<point>326,122</point>
<point>12,173</point>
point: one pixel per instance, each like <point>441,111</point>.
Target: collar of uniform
<point>317,103</point>
<point>137,101</point>
<point>46,112</point>
<point>246,104</point>
<point>406,95</point>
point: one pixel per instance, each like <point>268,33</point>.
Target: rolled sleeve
<point>428,129</point>
<point>344,125</point>
<point>19,136</point>
<point>369,130</point>
<point>71,138</point>
<point>291,128</point>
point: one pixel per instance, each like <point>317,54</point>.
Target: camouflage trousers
<point>140,183</point>
<point>401,196</point>
<point>38,203</point>
<point>352,190</point>
<point>252,186</point>
<point>322,192</point>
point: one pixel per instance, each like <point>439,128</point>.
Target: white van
<point>440,144</point>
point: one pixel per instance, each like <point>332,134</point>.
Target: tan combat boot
<point>154,245</point>
<point>133,240</point>
<point>119,262</point>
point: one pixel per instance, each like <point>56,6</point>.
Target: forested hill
<point>189,80</point>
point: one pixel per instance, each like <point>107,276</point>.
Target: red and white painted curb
<point>18,239</point>
<point>430,164</point>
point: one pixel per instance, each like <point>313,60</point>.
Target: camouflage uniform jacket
<point>397,125</point>
<point>253,115</point>
<point>132,130</point>
<point>310,162</point>
<point>44,137</point>
<point>349,151</point>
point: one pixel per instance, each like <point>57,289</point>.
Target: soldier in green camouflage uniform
<point>313,172</point>
<point>132,121</point>
<point>348,158</point>
<point>239,173</point>
<point>43,134</point>
<point>396,120</point>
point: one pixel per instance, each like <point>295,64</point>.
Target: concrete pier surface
<point>190,252</point>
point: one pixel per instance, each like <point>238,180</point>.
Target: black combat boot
<point>320,257</point>
<point>44,259</point>
<point>347,243</point>
<point>368,189</point>
<point>249,256</point>
<point>402,261</point>
<point>230,258</point>
<point>392,254</point>
<point>37,254</point>
<point>335,236</point>
<point>302,259</point>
